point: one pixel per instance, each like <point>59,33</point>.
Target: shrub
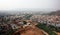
<point>45,28</point>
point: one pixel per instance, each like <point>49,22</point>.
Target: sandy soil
<point>58,33</point>
<point>31,31</point>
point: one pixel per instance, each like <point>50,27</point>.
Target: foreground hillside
<point>30,31</point>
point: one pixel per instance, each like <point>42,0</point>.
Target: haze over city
<point>29,5</point>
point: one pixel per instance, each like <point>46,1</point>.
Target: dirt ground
<point>58,33</point>
<point>31,31</point>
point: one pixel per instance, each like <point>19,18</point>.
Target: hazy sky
<point>30,4</point>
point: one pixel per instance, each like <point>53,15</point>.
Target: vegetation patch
<point>46,28</point>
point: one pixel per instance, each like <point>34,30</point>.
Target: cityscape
<point>29,17</point>
<point>30,24</point>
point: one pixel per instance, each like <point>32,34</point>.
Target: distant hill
<point>55,13</point>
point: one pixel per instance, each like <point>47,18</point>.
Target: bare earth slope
<point>31,31</point>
